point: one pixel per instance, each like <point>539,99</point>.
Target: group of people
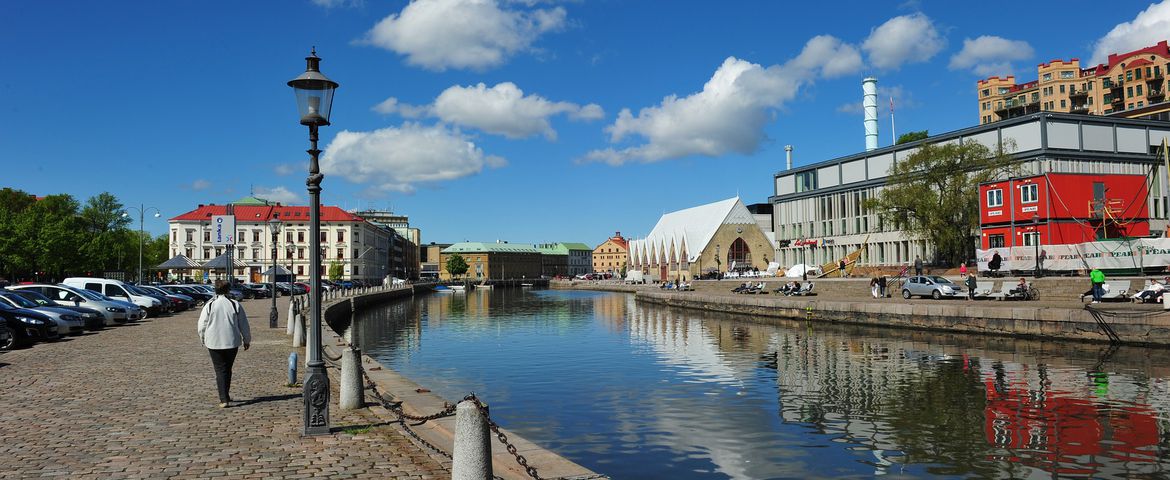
<point>790,288</point>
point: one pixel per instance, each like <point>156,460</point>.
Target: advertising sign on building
<point>223,229</point>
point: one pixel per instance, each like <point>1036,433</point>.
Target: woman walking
<point>223,327</point>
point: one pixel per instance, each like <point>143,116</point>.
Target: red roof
<point>1161,49</point>
<point>263,213</point>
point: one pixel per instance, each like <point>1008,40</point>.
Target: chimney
<point>869,105</point>
<point>788,153</point>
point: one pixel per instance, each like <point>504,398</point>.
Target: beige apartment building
<point>612,255</point>
<point>1130,85</point>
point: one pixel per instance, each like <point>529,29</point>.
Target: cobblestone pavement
<point>139,401</point>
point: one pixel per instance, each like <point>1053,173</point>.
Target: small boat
<point>443,289</point>
<point>525,285</point>
<point>484,285</point>
<point>457,288</point>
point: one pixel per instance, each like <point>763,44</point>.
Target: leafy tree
<point>912,137</point>
<point>55,233</point>
<point>933,194</point>
<point>103,213</point>
<point>456,265</point>
<point>335,271</point>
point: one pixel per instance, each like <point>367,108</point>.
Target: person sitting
<point>795,288</point>
<point>1152,293</point>
<point>1021,288</point>
<point>994,264</point>
<point>740,289</point>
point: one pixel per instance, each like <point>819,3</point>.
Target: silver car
<point>932,286</point>
<point>115,313</point>
<point>68,322</point>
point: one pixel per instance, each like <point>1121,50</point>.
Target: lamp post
<point>141,213</point>
<point>1036,241</point>
<point>274,226</point>
<point>314,92</point>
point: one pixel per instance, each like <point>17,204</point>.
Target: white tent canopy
<point>689,231</point>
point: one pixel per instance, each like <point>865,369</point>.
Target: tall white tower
<point>788,153</point>
<point>869,105</point>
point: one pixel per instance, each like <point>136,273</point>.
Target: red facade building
<point>1062,208</point>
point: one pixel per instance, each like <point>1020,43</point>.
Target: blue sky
<point>521,120</point>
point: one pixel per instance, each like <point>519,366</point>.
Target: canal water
<point>640,391</point>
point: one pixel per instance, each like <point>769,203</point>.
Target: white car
<point>118,290</point>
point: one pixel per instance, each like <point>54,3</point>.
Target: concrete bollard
<point>292,309</point>
<point>472,459</point>
<point>298,331</point>
<point>352,387</point>
<point>292,369</point>
<point>1165,302</point>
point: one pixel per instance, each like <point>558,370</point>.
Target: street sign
<point>223,229</point>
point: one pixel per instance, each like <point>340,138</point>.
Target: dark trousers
<point>222,360</point>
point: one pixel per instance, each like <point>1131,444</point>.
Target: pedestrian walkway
<point>139,401</point>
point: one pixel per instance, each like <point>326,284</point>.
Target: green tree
<point>456,265</point>
<point>912,137</point>
<point>55,234</point>
<point>933,194</point>
<point>109,245</point>
<point>13,255</point>
<point>103,213</point>
<point>335,271</point>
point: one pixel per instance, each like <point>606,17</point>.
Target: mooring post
<point>352,386</point>
<point>292,308</point>
<point>298,330</point>
<point>292,369</point>
<point>472,458</point>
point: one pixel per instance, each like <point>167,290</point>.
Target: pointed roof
<point>220,262</point>
<point>179,261</point>
<point>694,227</point>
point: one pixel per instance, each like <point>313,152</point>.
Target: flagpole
<point>893,134</point>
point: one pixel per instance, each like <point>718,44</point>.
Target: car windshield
<point>138,290</point>
<point>938,279</point>
<point>36,297</point>
<point>19,300</point>
<point>6,306</point>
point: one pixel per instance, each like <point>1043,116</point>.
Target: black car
<point>256,290</point>
<point>94,320</point>
<point>27,326</point>
<point>199,296</point>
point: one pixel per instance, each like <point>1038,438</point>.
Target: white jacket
<point>223,324</point>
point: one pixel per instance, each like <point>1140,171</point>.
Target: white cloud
<point>395,159</point>
<point>501,110</point>
<point>276,194</point>
<point>990,55</point>
<point>905,39</point>
<point>1148,28</point>
<point>200,184</point>
<point>287,169</point>
<point>729,114</point>
<point>473,34</point>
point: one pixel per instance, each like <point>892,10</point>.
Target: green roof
<point>481,247</point>
<point>577,246</point>
<point>252,201</point>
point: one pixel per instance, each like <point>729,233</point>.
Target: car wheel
<point>906,294</point>
<point>936,294</point>
<point>145,314</point>
<point>7,338</point>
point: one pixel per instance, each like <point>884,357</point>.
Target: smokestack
<point>869,105</point>
<point>788,153</point>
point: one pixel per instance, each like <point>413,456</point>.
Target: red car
<point>304,286</point>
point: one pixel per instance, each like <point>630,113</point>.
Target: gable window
<point>995,198</point>
<point>1029,193</point>
<point>995,241</point>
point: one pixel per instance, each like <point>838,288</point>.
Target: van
<point>118,290</point>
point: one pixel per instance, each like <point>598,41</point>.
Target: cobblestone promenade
<point>139,401</point>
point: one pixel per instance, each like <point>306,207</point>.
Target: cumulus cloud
<point>396,159</point>
<point>200,184</point>
<point>287,169</point>
<point>1148,28</point>
<point>501,110</point>
<point>471,34</point>
<point>901,98</point>
<point>905,39</point>
<point>990,55</point>
<point>276,194</point>
<point>729,114</point>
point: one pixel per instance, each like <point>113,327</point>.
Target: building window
<point>300,237</point>
<point>1129,75</point>
<point>255,235</point>
<point>300,269</point>
<point>1066,74</point>
<point>207,235</point>
<point>341,236</point>
<point>1139,90</point>
<point>1063,104</point>
<point>1062,88</point>
<point>1031,238</point>
<point>188,252</point>
<point>206,253</point>
<point>1029,193</point>
<point>355,270</point>
<point>995,241</point>
<point>190,235</point>
<point>986,92</point>
<point>301,253</point>
<point>256,253</point>
<point>995,198</point>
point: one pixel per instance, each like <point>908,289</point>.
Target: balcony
<point>1082,108</point>
<point>1112,85</point>
<point>1074,95</point>
<point>1155,78</point>
<point>1156,94</point>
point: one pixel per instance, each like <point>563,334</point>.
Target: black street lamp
<point>314,93</point>
<point>274,226</point>
<point>141,213</point>
<point>1036,241</point>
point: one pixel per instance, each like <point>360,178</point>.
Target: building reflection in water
<point>644,391</point>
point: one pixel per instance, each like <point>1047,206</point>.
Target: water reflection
<point>641,391</point>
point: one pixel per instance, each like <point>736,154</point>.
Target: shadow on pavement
<point>270,398</point>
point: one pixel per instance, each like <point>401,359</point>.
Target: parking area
<point>139,401</point>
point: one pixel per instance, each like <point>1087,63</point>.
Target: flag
<point>891,105</point>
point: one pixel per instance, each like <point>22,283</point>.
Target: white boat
<point>457,288</point>
<point>525,285</point>
<point>484,285</point>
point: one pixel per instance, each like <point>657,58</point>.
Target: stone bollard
<point>292,309</point>
<point>298,331</point>
<point>352,388</point>
<point>1166,302</point>
<point>472,458</point>
<point>292,369</point>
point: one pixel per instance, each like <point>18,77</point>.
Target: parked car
<point>932,286</point>
<point>114,312</point>
<point>92,319</point>
<point>303,286</point>
<point>67,322</point>
<point>179,302</point>
<point>198,296</point>
<point>257,290</point>
<point>119,290</point>
<point>27,326</point>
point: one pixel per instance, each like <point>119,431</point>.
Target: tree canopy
<point>912,137</point>
<point>933,194</point>
<point>335,271</point>
<point>456,265</point>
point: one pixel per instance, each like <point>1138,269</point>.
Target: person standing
<point>972,284</point>
<point>917,265</point>
<point>841,267</point>
<point>963,269</point>
<point>1098,278</point>
<point>223,328</point>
